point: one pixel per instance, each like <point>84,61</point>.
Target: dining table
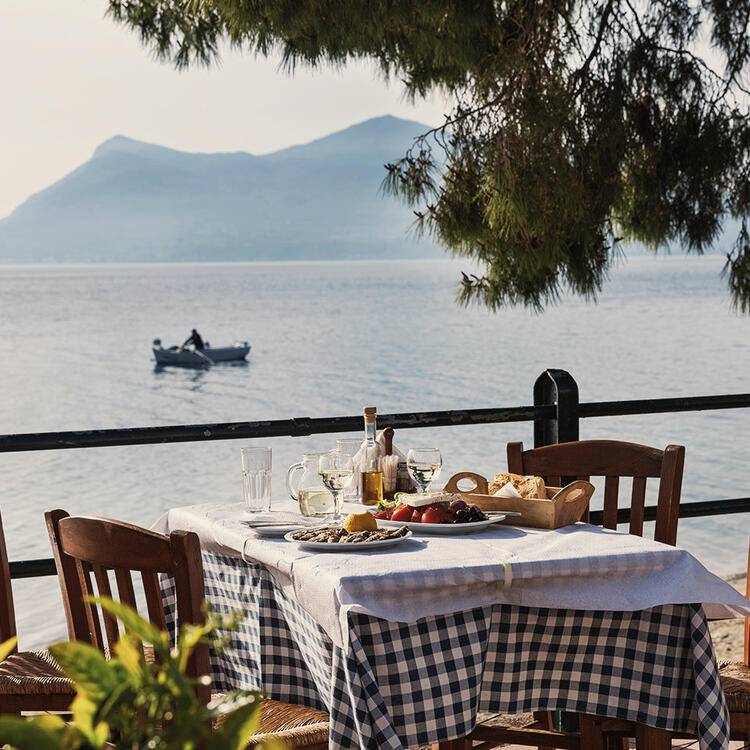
<point>405,646</point>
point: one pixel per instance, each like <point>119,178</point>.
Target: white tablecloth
<point>576,567</point>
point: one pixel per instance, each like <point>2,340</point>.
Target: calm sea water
<point>327,339</point>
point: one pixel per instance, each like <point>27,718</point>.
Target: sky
<point>73,78</point>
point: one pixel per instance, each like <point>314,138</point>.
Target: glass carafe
<point>308,489</point>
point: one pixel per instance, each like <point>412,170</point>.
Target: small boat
<point>176,355</point>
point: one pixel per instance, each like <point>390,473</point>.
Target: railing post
<point>556,388</point>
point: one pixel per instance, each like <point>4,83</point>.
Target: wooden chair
<point>612,460</point>
<point>29,680</point>
<point>86,545</point>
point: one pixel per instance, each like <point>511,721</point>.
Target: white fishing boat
<point>181,357</point>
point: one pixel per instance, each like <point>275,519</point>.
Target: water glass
<point>256,478</point>
<point>350,446</point>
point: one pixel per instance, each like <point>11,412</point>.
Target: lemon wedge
<point>360,522</point>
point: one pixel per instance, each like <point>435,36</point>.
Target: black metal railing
<point>556,413</point>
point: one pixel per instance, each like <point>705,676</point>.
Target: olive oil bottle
<point>372,476</point>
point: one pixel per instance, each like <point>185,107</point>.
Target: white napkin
<point>508,490</point>
<point>281,518</point>
<point>354,482</point>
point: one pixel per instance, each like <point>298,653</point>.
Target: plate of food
<point>338,539</point>
<point>435,513</point>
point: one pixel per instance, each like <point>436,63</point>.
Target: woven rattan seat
<point>298,726</point>
<point>735,679</point>
<point>29,681</point>
<point>33,673</point>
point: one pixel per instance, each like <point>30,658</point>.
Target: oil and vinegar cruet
<point>370,454</point>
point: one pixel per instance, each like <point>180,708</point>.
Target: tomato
<point>403,513</point>
<point>383,514</point>
<point>435,514</point>
<point>416,517</point>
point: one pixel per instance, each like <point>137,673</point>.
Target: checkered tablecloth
<point>402,685</point>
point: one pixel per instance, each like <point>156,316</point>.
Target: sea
<point>328,338</point>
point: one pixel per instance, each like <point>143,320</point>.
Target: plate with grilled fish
<point>338,539</point>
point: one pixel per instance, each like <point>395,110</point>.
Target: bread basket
<point>566,505</point>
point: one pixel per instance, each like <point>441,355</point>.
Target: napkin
<point>508,490</point>
<point>281,518</point>
<point>354,482</point>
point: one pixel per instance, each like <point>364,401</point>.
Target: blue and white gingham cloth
<point>401,685</point>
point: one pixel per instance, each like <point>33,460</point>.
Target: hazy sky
<point>71,79</point>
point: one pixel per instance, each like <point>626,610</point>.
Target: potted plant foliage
<point>131,702</point>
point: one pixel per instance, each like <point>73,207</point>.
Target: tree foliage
<point>574,124</point>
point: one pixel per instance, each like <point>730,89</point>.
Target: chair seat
<point>33,673</point>
<point>297,725</point>
<point>735,679</point>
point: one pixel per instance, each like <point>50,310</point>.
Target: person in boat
<point>194,339</point>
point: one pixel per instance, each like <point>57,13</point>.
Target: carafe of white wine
<point>307,488</point>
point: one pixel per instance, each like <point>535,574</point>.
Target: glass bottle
<point>372,476</point>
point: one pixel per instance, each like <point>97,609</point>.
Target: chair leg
<point>648,738</point>
<point>618,743</point>
<point>544,718</point>
<point>592,736</point>
<point>459,744</point>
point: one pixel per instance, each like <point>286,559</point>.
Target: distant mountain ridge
<point>137,201</point>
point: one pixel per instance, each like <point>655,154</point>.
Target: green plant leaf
<point>239,725</point>
<point>84,712</point>
<point>273,744</point>
<point>86,667</point>
<point>8,647</point>
<point>190,636</point>
<point>50,722</point>
<point>136,624</point>
<point>27,734</point>
<point>130,653</point>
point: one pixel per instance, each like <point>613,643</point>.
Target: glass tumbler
<point>256,478</point>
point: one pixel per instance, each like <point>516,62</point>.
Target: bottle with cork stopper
<point>371,453</point>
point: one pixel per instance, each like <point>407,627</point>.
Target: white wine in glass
<point>336,469</point>
<point>424,465</point>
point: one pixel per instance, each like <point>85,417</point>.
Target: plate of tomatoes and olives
<point>435,513</point>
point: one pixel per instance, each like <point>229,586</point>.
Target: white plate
<point>443,528</point>
<point>277,531</point>
<point>353,547</point>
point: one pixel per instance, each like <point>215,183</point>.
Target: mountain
<point>135,201</point>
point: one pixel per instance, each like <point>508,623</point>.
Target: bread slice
<point>526,486</point>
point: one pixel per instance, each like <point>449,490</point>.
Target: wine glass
<point>336,469</point>
<point>424,465</point>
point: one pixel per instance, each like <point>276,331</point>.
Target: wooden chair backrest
<point>612,460</point>
<point>7,610</point>
<point>84,545</point>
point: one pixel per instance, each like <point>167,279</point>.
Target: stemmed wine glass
<point>336,469</point>
<point>424,465</point>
